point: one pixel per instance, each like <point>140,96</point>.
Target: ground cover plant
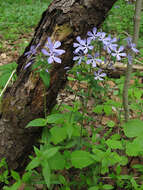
<point>85,142</point>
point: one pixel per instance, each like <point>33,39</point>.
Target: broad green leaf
<point>133,128</point>
<point>69,129</point>
<point>108,109</point>
<point>58,134</point>
<point>40,122</point>
<point>55,118</point>
<point>57,162</point>
<point>81,159</point>
<point>33,164</point>
<point>98,109</point>
<point>50,152</point>
<point>46,173</point>
<point>134,148</point>
<point>114,144</point>
<point>98,154</point>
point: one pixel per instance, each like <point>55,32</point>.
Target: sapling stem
<point>137,16</point>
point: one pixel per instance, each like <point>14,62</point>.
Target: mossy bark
<point>24,100</point>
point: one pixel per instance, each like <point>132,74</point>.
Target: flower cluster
<point>84,49</point>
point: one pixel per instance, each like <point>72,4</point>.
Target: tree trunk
<point>23,101</point>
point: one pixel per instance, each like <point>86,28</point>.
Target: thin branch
<point>129,66</point>
<point>7,82</point>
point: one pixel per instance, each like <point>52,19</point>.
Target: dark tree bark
<point>23,101</point>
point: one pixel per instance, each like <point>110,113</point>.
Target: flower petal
<point>57,59</point>
<point>45,52</point>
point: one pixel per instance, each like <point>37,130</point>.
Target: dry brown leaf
<point>111,84</point>
<point>3,55</point>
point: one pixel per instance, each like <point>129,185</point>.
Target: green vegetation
<point>18,17</point>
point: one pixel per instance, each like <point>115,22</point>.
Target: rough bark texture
<point>23,102</point>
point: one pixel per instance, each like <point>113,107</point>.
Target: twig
<point>7,82</point>
<point>129,66</point>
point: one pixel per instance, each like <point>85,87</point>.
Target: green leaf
<point>99,155</point>
<point>58,134</point>
<point>15,175</point>
<point>111,123</point>
<point>135,147</point>
<point>114,144</point>
<point>69,130</point>
<point>40,122</point>
<point>46,173</point>
<point>57,162</point>
<point>98,109</point>
<point>81,159</point>
<point>27,177</point>
<point>55,118</point>
<point>62,179</point>
<point>133,128</point>
<point>71,79</point>
<point>107,186</point>
<point>45,78</point>
<point>33,164</point>
<point>15,186</point>
<point>137,93</point>
<point>134,183</point>
<point>108,109</point>
<point>50,152</point>
<point>93,188</point>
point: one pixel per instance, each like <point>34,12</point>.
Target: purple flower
<point>109,44</point>
<point>28,64</point>
<point>94,34</point>
<point>131,45</point>
<point>52,52</point>
<point>99,75</point>
<point>79,56</point>
<point>93,60</point>
<point>32,50</point>
<point>31,61</point>
<point>118,53</point>
<point>101,36</point>
<point>82,45</point>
